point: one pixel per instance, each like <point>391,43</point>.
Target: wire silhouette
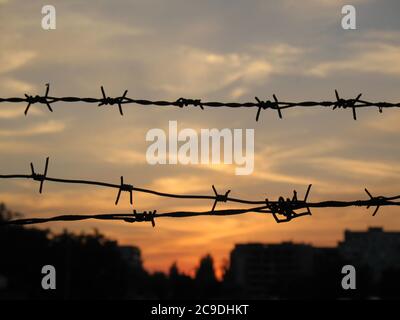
<point>289,208</point>
<point>279,106</point>
<point>135,217</point>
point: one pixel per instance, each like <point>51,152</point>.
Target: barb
<point>377,201</point>
<point>351,103</point>
<point>108,101</point>
<point>182,102</point>
<point>268,104</point>
<point>38,99</point>
<point>127,188</point>
<point>288,209</point>
<point>219,197</point>
<point>40,177</point>
<point>279,106</point>
<point>144,216</point>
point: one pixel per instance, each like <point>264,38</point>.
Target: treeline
<point>88,266</point>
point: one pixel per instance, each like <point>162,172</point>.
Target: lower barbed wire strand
<point>124,216</point>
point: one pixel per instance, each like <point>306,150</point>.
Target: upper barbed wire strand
<point>275,104</point>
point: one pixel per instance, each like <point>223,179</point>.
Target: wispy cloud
<point>12,60</point>
<point>198,71</point>
<point>16,112</point>
<point>379,58</point>
<point>13,86</point>
<point>43,128</point>
<point>390,125</point>
<point>359,168</point>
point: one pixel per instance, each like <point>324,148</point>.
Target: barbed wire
<point>146,216</point>
<point>283,210</point>
<point>274,104</point>
<point>123,187</point>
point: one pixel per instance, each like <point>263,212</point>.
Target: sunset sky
<point>216,50</point>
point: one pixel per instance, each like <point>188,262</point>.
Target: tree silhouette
<point>206,281</point>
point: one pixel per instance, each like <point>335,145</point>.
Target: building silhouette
<point>289,270</point>
<point>259,269</point>
<point>376,249</point>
